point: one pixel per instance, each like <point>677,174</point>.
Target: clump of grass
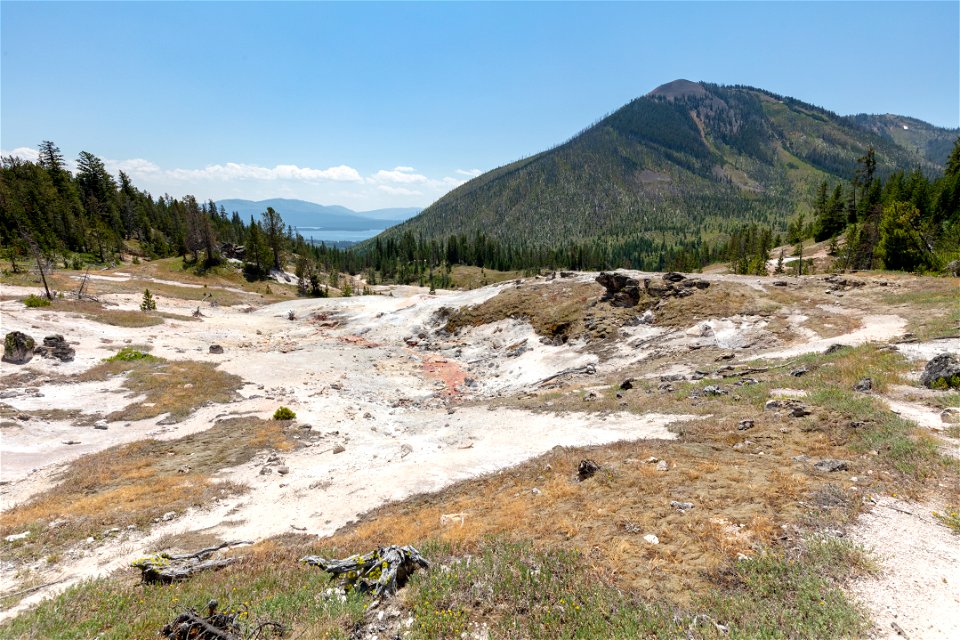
<point>950,519</point>
<point>33,301</point>
<point>283,413</point>
<point>129,354</point>
<point>775,596</point>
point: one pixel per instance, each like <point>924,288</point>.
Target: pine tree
<point>148,303</point>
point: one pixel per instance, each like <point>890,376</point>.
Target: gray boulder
<point>18,348</point>
<point>943,371</point>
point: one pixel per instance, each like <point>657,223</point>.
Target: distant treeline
<point>906,221</point>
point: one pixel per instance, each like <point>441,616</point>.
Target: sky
<point>372,105</point>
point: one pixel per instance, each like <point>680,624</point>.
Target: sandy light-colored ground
<point>375,376</point>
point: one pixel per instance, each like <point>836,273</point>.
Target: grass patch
<point>33,301</point>
<point>98,313</point>
<point>950,518</point>
<point>176,387</point>
<point>509,589</point>
<point>133,484</point>
<point>465,277</point>
<point>931,307</point>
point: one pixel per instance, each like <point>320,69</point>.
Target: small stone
<point>681,506</point>
<point>833,349</point>
<point>796,373</point>
<point>101,425</point>
<point>663,466</point>
<point>864,385</point>
<point>168,516</point>
<point>216,348</point>
<point>339,449</point>
<point>627,384</point>
<point>265,471</point>
<point>773,405</point>
<point>283,470</point>
<point>535,491</point>
<point>405,450</point>
<point>829,465</point>
<point>651,539</point>
<point>587,469</point>
<point>713,390</point>
<point>743,425</point>
<point>799,411</point>
<point>17,536</point>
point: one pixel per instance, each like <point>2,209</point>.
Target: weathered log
<point>165,568</point>
<point>380,572</point>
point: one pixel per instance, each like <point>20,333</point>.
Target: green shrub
<point>34,301</point>
<point>128,354</point>
<point>284,413</point>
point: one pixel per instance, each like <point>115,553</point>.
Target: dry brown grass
<point>176,387</point>
<point>134,483</point>
<point>555,310</point>
<point>465,277</point>
<point>97,312</point>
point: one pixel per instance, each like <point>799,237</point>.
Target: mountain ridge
<point>687,158</point>
<point>305,214</point>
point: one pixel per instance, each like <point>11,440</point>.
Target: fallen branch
<point>30,590</point>
<point>747,372</point>
<point>590,368</point>
<point>164,568</point>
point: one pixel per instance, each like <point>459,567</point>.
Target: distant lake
<point>319,234</point>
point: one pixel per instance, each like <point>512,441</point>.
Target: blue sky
<point>372,105</point>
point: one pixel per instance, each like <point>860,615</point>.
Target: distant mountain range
<point>688,160</point>
<point>310,215</point>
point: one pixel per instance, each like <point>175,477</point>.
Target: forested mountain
<point>688,161</point>
<point>302,214</point>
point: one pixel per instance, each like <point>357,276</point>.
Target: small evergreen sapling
<point>149,303</point>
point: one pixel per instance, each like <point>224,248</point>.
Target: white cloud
<point>133,167</point>
<point>400,175</point>
<point>24,153</point>
<point>236,171</point>
<point>398,191</point>
<point>472,173</point>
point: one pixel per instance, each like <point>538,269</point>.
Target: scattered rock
<point>743,425</point>
<point>834,348</point>
<point>56,347</point>
<point>9,393</point>
<point>953,268</point>
<point>627,384</point>
<point>339,449</point>
<point>829,465</point>
<point>587,469</point>
<point>673,276</point>
<point>796,373</point>
<point>864,385</point>
<point>681,506</point>
<point>773,405</point>
<point>405,450</point>
<point>713,390</point>
<point>651,539</point>
<point>536,491</point>
<point>23,416</point>
<point>168,516</point>
<point>216,348</point>
<point>101,425</point>
<point>950,415</point>
<point>264,471</point>
<point>663,466</point>
<point>798,410</point>
<point>780,283</point>
<point>943,371</point>
<point>622,290</point>
<point>284,470</point>
<point>18,348</point>
<point>17,536</point>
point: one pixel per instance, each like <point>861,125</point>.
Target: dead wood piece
<point>190,626</point>
<point>165,568</point>
<point>588,369</point>
<point>380,572</point>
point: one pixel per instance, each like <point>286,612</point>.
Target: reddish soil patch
<point>446,371</point>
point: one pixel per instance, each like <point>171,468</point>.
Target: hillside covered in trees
<point>685,163</point>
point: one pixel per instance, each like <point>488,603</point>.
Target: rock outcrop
<point>56,347</point>
<point>626,291</point>
<point>943,371</point>
<point>18,348</point>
